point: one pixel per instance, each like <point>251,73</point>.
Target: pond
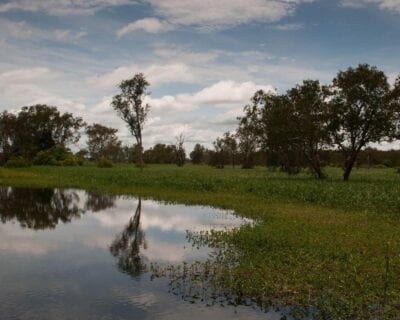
<point>72,254</point>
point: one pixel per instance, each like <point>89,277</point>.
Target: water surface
<point>71,254</point>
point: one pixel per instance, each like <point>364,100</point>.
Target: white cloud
<point>62,7</point>
<point>24,31</point>
<point>151,25</point>
<point>289,26</point>
<point>156,74</point>
<point>222,14</point>
<point>393,5</point>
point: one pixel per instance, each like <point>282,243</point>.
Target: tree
<point>309,125</point>
<point>197,155</point>
<point>180,154</point>
<point>43,128</point>
<point>219,157</point>
<point>103,142</point>
<point>363,109</point>
<point>230,146</point>
<point>250,131</point>
<point>129,106</point>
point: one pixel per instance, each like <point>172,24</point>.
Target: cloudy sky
<point>203,58</point>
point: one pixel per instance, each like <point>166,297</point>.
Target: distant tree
<point>129,106</point>
<point>230,146</point>
<point>8,130</point>
<point>103,142</point>
<point>220,156</point>
<point>198,154</point>
<point>363,109</point>
<point>180,154</point>
<point>160,153</point>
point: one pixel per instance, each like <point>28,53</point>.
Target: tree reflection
<point>41,209</point>
<point>98,202</point>
<point>126,246</point>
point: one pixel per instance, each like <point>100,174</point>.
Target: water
<point>71,254</point>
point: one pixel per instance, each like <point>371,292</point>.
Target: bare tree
<point>180,151</point>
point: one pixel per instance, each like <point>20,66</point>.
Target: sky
<point>204,59</point>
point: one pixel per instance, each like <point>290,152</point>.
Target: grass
<point>329,244</point>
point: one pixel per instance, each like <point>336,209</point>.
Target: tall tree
<point>308,112</point>
<point>130,106</point>
<point>363,109</point>
<point>103,142</point>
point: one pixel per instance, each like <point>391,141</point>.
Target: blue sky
<point>204,59</point>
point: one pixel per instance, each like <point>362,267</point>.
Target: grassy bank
<point>326,243</point>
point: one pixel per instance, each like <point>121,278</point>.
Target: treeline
<point>310,126</point>
<point>297,129</point>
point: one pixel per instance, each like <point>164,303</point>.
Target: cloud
<point>151,25</point>
<point>62,7</point>
<point>289,26</point>
<point>24,31</point>
<point>156,74</point>
<point>391,5</point>
<point>211,15</point>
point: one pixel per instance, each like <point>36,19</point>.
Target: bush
<point>380,166</point>
<point>104,163</point>
<point>56,156</point>
<point>17,162</point>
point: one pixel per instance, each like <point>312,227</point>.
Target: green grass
<point>327,243</point>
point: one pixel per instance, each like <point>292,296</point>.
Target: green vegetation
<point>328,243</point>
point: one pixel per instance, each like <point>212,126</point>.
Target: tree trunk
<point>349,164</point>
<point>141,164</point>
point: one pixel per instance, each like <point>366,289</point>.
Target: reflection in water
<point>66,271</point>
<point>41,209</point>
<point>126,246</point>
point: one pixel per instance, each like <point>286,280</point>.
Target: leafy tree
<point>249,132</point>
<point>309,123</point>
<point>160,153</point>
<point>8,130</point>
<point>43,128</point>
<point>219,157</point>
<point>103,142</point>
<point>197,155</point>
<point>130,107</point>
<point>180,154</point>
<point>230,146</point>
<point>363,109</point>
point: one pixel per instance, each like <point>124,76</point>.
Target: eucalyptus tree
<point>363,109</point>
<point>103,142</point>
<point>309,123</point>
<point>198,153</point>
<point>131,108</point>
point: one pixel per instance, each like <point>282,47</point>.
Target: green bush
<point>17,162</point>
<point>56,156</point>
<point>380,166</point>
<point>104,163</point>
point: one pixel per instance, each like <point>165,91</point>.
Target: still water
<point>71,254</point>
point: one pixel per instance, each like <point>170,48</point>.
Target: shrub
<point>17,162</point>
<point>380,166</point>
<point>104,163</point>
<point>56,156</point>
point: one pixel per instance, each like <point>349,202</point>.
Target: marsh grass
<point>328,246</point>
